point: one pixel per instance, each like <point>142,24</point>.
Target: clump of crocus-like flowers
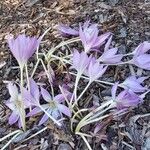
<point>31,98</point>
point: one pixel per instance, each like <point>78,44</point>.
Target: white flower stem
<point>99,113</point>
<point>27,75</point>
<point>22,110</point>
<point>36,65</point>
<point>128,54</point>
<point>74,95</point>
<point>60,45</point>
<point>61,59</point>
<point>85,140</point>
<point>80,124</point>
<point>144,94</point>
<point>122,63</point>
<point>87,86</point>
<point>53,119</point>
<point>100,81</point>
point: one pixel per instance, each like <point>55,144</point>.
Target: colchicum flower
<point>23,47</point>
<point>16,103</point>
<point>80,61</point>
<point>53,107</point>
<point>125,99</point>
<point>109,55</point>
<point>89,36</point>
<point>134,84</point>
<point>95,70</point>
<point>66,30</point>
<point>141,58</point>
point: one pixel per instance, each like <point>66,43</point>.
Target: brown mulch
<point>127,20</point>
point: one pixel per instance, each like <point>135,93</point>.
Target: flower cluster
<point>91,63</point>
<point>31,100</point>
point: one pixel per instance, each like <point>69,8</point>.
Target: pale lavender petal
<point>29,100</point>
<point>66,30</point>
<point>110,57</point>
<point>142,61</point>
<point>76,59</point>
<point>34,111</point>
<point>34,89</point>
<point>19,123</point>
<point>114,90</point>
<point>14,48</point>
<point>13,91</point>
<point>142,48</point>
<point>13,118</point>
<point>110,52</point>
<point>10,104</point>
<point>97,128</point>
<point>65,110</point>
<point>43,119</point>
<point>101,39</point>
<point>107,45</point>
<point>59,98</point>
<point>122,95</point>
<point>45,94</point>
<point>133,84</point>
<point>141,79</point>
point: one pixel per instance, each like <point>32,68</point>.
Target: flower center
<point>52,104</point>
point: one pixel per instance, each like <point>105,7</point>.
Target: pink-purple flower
<point>88,34</point>
<point>80,61</point>
<point>16,103</point>
<point>95,70</point>
<point>109,56</point>
<point>141,58</point>
<point>125,98</point>
<point>53,106</point>
<point>23,47</point>
<point>133,83</point>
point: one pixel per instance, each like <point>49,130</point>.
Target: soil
<point>128,20</point>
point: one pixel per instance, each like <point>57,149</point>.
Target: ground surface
<point>128,20</point>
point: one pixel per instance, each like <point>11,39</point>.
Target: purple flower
<point>95,70</point>
<point>23,47</point>
<point>80,61</point>
<point>134,84</point>
<point>53,106</point>
<point>15,103</point>
<point>140,58</point>
<point>89,36</point>
<point>109,56</point>
<point>125,99</point>
<point>66,30</point>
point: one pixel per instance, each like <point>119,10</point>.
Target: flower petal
<point>114,90</point>
<point>34,111</point>
<point>13,118</point>
<point>34,89</point>
<point>13,91</point>
<point>65,110</point>
<point>43,119</point>
<point>45,94</point>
